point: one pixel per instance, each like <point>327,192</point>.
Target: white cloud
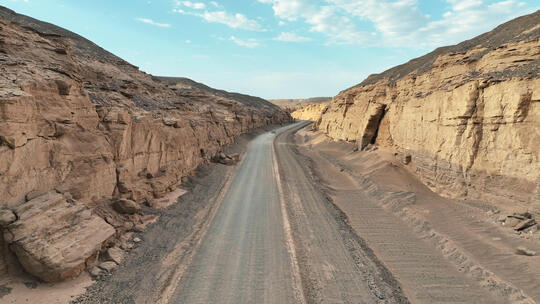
<point>251,43</point>
<point>193,5</point>
<point>232,20</point>
<point>291,37</point>
<point>465,20</point>
<point>326,19</point>
<point>398,23</point>
<point>152,22</point>
<point>237,21</point>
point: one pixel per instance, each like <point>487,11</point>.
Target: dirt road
<point>244,257</point>
<point>248,256</point>
<point>231,239</point>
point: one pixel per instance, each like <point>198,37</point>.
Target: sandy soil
<point>440,250</point>
<point>31,291</point>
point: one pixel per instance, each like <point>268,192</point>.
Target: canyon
<point>81,129</point>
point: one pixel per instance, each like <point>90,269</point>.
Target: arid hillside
<point>293,104</point>
<point>86,138</point>
<point>465,118</point>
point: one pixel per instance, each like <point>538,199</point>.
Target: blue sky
<point>273,48</point>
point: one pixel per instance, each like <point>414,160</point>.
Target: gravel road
<point>262,232</point>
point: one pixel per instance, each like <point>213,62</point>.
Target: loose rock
<point>7,217</point>
<point>139,228</point>
<point>95,271</point>
<point>125,206</point>
<point>525,224</point>
<point>108,266</point>
<point>525,251</point>
<point>512,221</point>
<point>115,254</point>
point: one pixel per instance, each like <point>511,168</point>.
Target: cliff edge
<point>465,118</point>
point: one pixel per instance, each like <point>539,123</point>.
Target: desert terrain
<point>420,184</point>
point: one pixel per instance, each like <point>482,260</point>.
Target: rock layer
<point>294,104</point>
<point>310,112</point>
<point>467,116</point>
<point>75,118</point>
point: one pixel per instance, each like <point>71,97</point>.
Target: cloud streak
<point>152,22</point>
<point>251,43</point>
<point>291,37</point>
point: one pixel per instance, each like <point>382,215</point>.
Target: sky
<point>273,48</point>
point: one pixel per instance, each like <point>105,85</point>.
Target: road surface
<point>244,256</point>
<point>248,255</point>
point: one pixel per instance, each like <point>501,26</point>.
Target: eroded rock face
<point>54,236</point>
<point>468,115</point>
<point>77,119</point>
<point>310,112</point>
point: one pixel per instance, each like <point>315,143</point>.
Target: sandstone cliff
<point>294,104</point>
<point>80,128</point>
<point>310,112</point>
<point>467,117</point>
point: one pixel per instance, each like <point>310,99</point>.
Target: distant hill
<point>188,84</point>
<point>296,103</point>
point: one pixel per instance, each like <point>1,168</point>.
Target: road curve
<point>244,255</point>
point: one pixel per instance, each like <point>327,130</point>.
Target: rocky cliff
<point>310,112</point>
<point>81,129</point>
<point>293,104</point>
<point>466,118</point>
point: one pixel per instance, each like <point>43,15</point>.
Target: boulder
<point>126,245</point>
<point>53,238</point>
<point>226,159</point>
<point>95,271</point>
<point>139,228</point>
<point>7,217</point>
<point>115,254</point>
<point>108,266</point>
<point>126,206</point>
